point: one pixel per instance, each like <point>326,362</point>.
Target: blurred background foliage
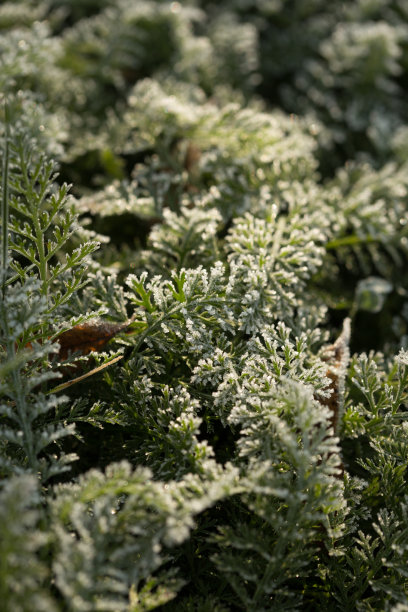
<point>342,63</point>
<point>157,105</point>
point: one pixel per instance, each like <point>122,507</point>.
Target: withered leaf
<point>337,357</point>
<point>192,157</point>
<point>88,336</point>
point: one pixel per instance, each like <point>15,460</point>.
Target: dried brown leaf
<point>88,336</point>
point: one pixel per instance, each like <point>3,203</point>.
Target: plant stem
<point>43,267</point>
<point>349,241</point>
<point>5,202</point>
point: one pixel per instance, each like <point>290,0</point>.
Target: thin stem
<point>43,267</point>
<point>349,241</point>
<point>39,233</point>
<point>19,393</point>
<point>401,388</point>
<point>5,201</point>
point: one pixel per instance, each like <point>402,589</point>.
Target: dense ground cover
<point>203,309</point>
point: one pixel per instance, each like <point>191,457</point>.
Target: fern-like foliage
<point>122,522</point>
<point>224,452</point>
<point>24,573</point>
<point>292,494</point>
<point>39,223</point>
<point>25,410</point>
<point>271,258</point>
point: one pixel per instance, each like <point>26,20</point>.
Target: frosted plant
<point>271,258</point>
<point>241,442</point>
<point>122,521</point>
<point>37,221</point>
<point>24,572</point>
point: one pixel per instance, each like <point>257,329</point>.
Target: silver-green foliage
<point>122,521</point>
<point>23,542</point>
<point>37,222</point>
<point>230,449</point>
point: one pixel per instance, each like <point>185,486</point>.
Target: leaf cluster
<point>224,185</point>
